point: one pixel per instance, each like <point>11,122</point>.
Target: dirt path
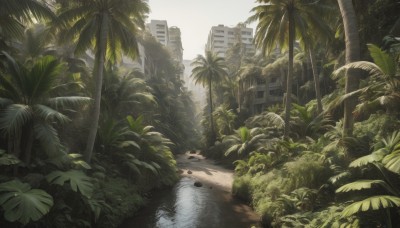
<point>220,180</point>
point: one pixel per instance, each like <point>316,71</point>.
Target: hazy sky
<point>196,17</point>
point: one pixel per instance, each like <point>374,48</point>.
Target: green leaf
<point>382,59</point>
<point>361,184</point>
<point>392,161</point>
<point>367,159</point>
<point>8,159</point>
<point>371,203</point>
<point>128,144</point>
<point>77,180</point>
<point>23,204</point>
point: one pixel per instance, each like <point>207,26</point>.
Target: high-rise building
<point>221,38</point>
<point>159,29</point>
<point>175,43</point>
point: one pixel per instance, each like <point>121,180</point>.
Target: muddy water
<point>187,206</point>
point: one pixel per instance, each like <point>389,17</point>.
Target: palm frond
<point>369,67</point>
<point>14,117</point>
<point>48,114</point>
<point>362,184</point>
<point>383,60</point>
<point>372,203</point>
<point>70,101</point>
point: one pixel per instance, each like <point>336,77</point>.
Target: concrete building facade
<point>159,29</point>
<point>222,37</point>
<point>175,43</point>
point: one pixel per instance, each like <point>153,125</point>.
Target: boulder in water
<point>198,184</point>
<point>189,172</point>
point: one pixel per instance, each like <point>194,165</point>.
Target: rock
<point>210,187</point>
<point>192,152</point>
<point>189,172</point>
<point>190,157</point>
<point>198,184</point>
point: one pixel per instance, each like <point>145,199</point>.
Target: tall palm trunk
<point>352,54</point>
<point>289,79</point>
<point>316,81</point>
<point>211,110</point>
<point>98,74</point>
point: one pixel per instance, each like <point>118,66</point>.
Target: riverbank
<point>185,206</point>
<point>219,179</point>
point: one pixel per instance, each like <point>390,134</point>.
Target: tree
<point>352,54</point>
<point>13,14</point>
<point>382,88</point>
<point>30,105</point>
<point>208,69</point>
<point>279,24</point>
<point>109,27</point>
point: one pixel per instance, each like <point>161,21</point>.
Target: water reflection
<point>187,206</point>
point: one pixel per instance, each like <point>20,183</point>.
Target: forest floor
<point>218,179</point>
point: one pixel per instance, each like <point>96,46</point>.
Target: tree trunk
<point>98,75</point>
<point>316,81</point>
<point>211,110</point>
<point>352,54</point>
<point>289,79</point>
<point>29,143</point>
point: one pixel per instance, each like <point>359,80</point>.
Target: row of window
<point>274,92</point>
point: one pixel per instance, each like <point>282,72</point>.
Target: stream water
<point>187,206</point>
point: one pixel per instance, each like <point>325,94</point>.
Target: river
<point>188,206</point>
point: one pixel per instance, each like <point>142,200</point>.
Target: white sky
<point>196,17</point>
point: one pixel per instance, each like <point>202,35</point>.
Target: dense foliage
<point>47,92</point>
<point>307,165</point>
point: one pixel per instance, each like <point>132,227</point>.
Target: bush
<point>241,188</point>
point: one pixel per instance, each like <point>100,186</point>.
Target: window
<point>230,33</point>
<point>260,94</point>
<point>260,81</point>
<point>276,92</point>
<point>258,108</point>
<point>160,26</point>
<point>160,32</point>
<point>219,31</point>
<point>273,80</point>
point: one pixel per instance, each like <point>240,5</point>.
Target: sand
<point>205,171</point>
<point>219,180</point>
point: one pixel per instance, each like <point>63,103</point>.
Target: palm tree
<point>280,22</point>
<point>30,105</point>
<point>109,27</point>
<point>13,15</point>
<point>245,141</point>
<point>352,54</point>
<point>382,89</point>
<point>208,69</point>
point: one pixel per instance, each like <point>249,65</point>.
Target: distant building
<point>138,63</point>
<point>175,43</point>
<point>267,93</point>
<point>198,92</point>
<point>221,38</point>
<point>159,29</point>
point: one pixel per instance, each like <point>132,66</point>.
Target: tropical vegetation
<point>85,135</point>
